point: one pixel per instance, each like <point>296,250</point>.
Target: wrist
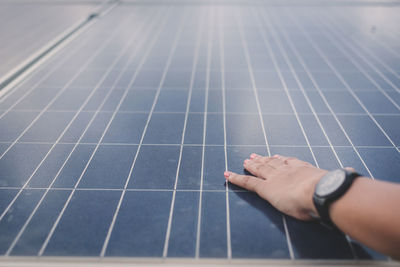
<point>315,176</point>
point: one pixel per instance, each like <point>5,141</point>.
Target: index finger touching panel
<point>248,182</point>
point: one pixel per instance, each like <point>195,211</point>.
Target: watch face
<point>330,182</point>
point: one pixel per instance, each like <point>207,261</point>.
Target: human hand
<point>287,183</point>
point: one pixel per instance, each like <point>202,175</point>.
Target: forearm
<point>370,213</point>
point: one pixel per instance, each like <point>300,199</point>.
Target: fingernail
<point>246,161</point>
<point>276,156</point>
<point>227,174</point>
<point>253,155</point>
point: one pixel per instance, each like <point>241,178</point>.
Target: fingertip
<point>227,174</point>
<point>254,155</point>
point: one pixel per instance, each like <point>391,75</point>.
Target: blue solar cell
<point>77,128</point>
<point>300,102</point>
<point>213,240</point>
<point>84,224</point>
<point>126,128</point>
<point>376,102</point>
<point>243,129</point>
<point>38,228</point>
<point>315,133</point>
<point>164,128</point>
<point>283,130</point>
<point>356,128</point>
<point>13,124</point>
<point>71,99</point>
<point>194,129</point>
<point>96,128</point>
<point>172,101</point>
<point>334,131</point>
<point>197,101</point>
<point>274,102</point>
<point>74,166</point>
<point>378,160</point>
<point>214,167</point>
<point>96,99</point>
<point>308,245</point>
<point>138,100</point>
<point>343,102</point>
<point>109,167</point>
<point>182,241</point>
<point>326,158</point>
<point>141,225</point>
<point>155,168</point>
<point>215,129</point>
<point>390,124</point>
<point>37,99</point>
<point>16,217</point>
<point>257,228</point>
<point>6,197</point>
<point>240,101</point>
<point>175,79</point>
<point>49,168</point>
<point>19,162</point>
<point>190,168</point>
<point>214,103</point>
<point>40,132</point>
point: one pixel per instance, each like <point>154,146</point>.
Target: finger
<point>250,183</point>
<point>258,168</point>
<point>275,163</point>
<point>254,156</point>
<point>261,159</point>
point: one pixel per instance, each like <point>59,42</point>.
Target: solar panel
<point>117,144</point>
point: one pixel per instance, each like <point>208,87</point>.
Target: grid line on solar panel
<point>300,85</point>
<point>210,40</point>
<point>371,53</point>
<point>37,117</point>
<point>122,52</point>
<point>340,77</point>
<point>223,89</point>
<point>315,160</point>
<point>300,58</point>
<point>115,61</point>
<point>366,60</point>
<point>132,56</point>
<point>250,70</point>
<point>193,73</point>
<point>361,69</point>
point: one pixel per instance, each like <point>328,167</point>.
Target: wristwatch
<point>331,187</point>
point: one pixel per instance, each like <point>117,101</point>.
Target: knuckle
<point>245,180</point>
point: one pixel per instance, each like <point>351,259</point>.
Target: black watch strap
<point>323,203</point>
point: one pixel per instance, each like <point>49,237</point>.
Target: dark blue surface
<point>92,211</point>
<point>38,228</point>
<point>99,135</point>
<point>141,225</point>
<point>249,212</point>
<point>16,216</point>
<point>182,241</point>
